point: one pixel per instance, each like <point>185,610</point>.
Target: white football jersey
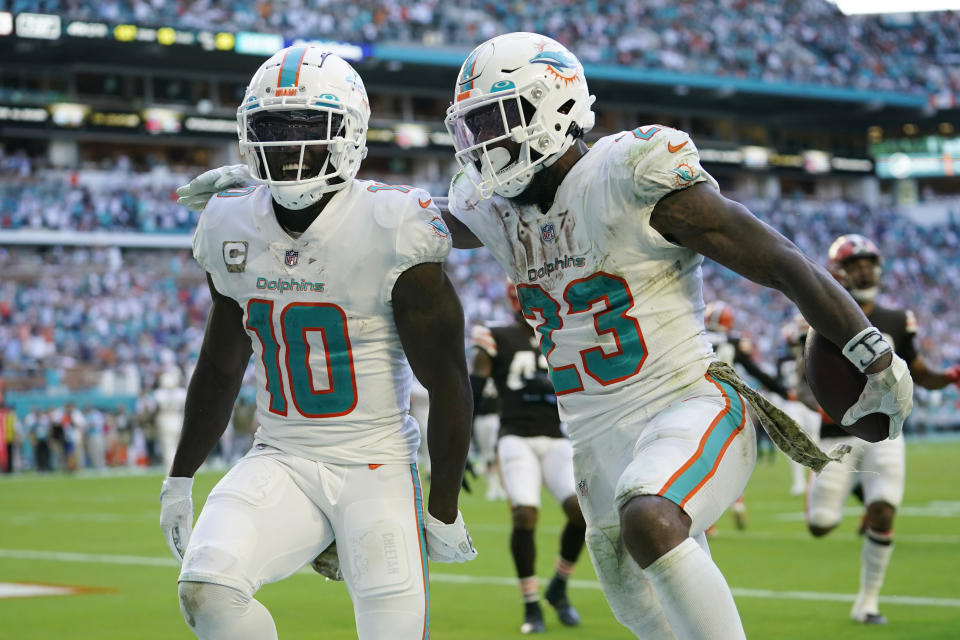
<point>333,383</point>
<point>618,308</point>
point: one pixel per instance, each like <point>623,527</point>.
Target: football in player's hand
<point>837,384</point>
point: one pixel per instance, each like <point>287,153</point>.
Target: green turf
<point>135,583</point>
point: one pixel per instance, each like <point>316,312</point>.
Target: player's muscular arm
<point>701,219</point>
<point>462,237</point>
<point>429,321</point>
<point>214,385</point>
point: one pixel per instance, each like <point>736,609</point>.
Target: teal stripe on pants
<point>422,535</point>
<point>684,485</point>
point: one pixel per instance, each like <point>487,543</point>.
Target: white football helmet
<point>303,124</point>
<point>520,88</point>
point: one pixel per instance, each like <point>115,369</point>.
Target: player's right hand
<point>889,391</point>
<point>194,194</point>
<point>176,514</point>
<point>449,542</point>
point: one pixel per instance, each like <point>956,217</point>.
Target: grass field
<point>101,533</point>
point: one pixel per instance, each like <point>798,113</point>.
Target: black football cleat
<point>556,595</point>
<point>533,619</point>
<point>873,618</point>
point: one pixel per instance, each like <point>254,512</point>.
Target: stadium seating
<point>807,41</point>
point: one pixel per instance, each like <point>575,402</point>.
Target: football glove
<point>327,563</point>
<point>194,194</point>
<point>889,391</point>
<point>176,514</point>
<point>449,542</point>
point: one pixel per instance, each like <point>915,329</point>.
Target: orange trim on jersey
<point>374,466</point>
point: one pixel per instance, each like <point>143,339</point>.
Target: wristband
<point>177,485</point>
<point>864,348</point>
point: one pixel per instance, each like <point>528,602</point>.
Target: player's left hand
<point>449,542</point>
<point>176,514</point>
<point>194,194</point>
<point>889,391</point>
<point>327,563</point>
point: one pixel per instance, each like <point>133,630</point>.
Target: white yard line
<point>451,578</point>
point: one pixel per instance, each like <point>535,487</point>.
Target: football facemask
<point>292,146</point>
<point>303,125</point>
<point>491,138</point>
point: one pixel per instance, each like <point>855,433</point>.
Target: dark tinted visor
<point>293,126</point>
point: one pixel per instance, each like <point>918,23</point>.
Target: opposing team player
<point>333,284</point>
<point>857,264</point>
<point>605,246</point>
<point>531,450</point>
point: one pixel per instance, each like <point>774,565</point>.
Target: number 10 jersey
<point>333,383</point>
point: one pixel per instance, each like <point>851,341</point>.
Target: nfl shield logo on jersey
<point>582,487</point>
<point>291,257</point>
<point>548,233</point>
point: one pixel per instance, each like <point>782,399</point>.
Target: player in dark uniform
<point>857,264</point>
<point>531,449</point>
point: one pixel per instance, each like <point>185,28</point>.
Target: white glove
<point>176,514</point>
<point>327,563</point>
<point>449,542</point>
<point>889,391</point>
<point>194,194</point>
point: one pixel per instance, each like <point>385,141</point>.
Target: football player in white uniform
<point>879,467</point>
<point>605,246</point>
<point>333,284</point>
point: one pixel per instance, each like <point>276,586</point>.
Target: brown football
<point>836,384</point>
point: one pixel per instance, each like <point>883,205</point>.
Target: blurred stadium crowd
<point>806,41</point>
<point>111,197</point>
<point>109,321</point>
<point>84,327</point>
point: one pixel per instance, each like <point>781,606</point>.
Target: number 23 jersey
<point>333,383</point>
<point>618,308</point>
